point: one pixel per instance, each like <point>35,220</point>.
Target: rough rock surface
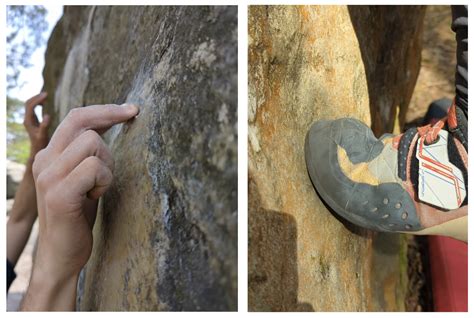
<point>310,63</point>
<point>165,237</point>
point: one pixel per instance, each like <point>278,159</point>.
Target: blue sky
<point>32,77</point>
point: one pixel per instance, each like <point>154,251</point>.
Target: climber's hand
<point>75,167</point>
<point>70,173</point>
<point>37,131</point>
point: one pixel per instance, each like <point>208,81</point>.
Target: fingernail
<point>137,110</point>
<point>42,94</point>
<point>133,108</point>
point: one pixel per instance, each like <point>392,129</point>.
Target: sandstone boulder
<point>165,236</point>
<point>308,63</point>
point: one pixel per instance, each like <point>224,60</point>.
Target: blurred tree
<point>18,143</point>
<point>25,28</point>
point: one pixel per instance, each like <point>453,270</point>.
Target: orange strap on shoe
<point>431,132</point>
<point>452,120</point>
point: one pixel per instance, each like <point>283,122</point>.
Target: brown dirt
<point>436,78</point>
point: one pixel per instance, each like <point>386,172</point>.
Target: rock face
<point>305,64</point>
<point>165,236</point>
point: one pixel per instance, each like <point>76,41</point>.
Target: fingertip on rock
<point>132,108</point>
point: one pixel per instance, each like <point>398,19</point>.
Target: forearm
<point>24,206</point>
<point>17,237</point>
<point>22,216</point>
<point>49,292</point>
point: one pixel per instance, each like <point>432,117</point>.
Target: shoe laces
<point>430,133</point>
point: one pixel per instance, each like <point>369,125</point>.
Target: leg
<point>459,25</point>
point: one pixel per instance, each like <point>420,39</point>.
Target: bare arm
<point>22,217</point>
<point>49,290</point>
<point>24,210</point>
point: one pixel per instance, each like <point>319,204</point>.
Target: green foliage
<point>18,143</point>
<point>19,151</point>
<point>25,28</point>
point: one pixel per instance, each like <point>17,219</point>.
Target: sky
<point>33,76</point>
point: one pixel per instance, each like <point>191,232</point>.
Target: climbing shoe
<point>415,182</point>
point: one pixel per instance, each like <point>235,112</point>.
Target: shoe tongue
<point>409,160</point>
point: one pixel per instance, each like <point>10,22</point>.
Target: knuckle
<point>75,114</point>
<point>41,156</point>
<point>106,177</point>
<point>42,181</point>
<point>38,162</point>
<point>94,163</point>
<point>98,167</point>
<point>92,138</point>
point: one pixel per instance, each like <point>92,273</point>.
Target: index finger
<point>30,116</point>
<point>37,99</point>
<point>96,117</point>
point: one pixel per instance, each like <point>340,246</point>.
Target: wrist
<point>50,290</point>
<point>29,163</point>
<point>50,263</point>
<point>54,273</point>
